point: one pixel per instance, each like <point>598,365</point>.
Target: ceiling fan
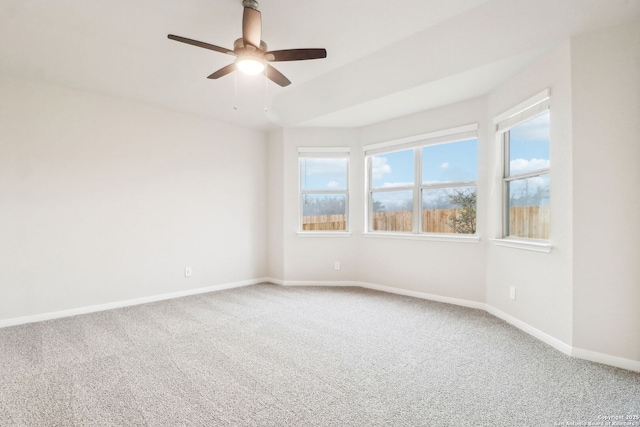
<point>251,52</point>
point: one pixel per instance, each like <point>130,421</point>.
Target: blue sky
<point>442,163</point>
<point>529,145</point>
<point>529,151</point>
<point>323,173</point>
<point>458,161</point>
<point>451,162</point>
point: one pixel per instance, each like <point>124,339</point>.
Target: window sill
<point>458,238</point>
<point>528,245</point>
<point>324,234</point>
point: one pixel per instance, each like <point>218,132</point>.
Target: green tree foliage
<point>463,221</point>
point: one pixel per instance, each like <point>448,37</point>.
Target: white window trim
<point>434,237</point>
<point>324,152</point>
<point>459,133</point>
<point>526,110</point>
<point>317,151</point>
<point>416,142</point>
<point>324,234</point>
<point>526,244</point>
<point>528,104</point>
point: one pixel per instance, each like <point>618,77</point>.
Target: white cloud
<point>518,166</point>
<point>444,165</point>
<point>379,167</point>
<point>324,166</point>
<point>333,184</point>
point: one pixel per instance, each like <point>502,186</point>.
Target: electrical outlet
<point>336,265</point>
<point>512,292</point>
<point>187,272</point>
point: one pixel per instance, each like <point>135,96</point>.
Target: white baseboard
<point>592,356</point>
<point>343,283</point>
<point>388,289</point>
<point>606,359</point>
<point>423,295</point>
<point>542,336</point>
<point>126,303</point>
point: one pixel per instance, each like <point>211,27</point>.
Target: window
<point>424,184</point>
<point>324,189</point>
<point>392,191</point>
<point>526,177</point>
<point>449,172</point>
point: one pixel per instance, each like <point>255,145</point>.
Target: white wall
<point>104,200</point>
<point>449,269</point>
<point>606,130</point>
<point>543,281</point>
<point>275,205</point>
<point>312,258</point>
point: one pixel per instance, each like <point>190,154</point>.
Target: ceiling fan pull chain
<point>235,91</point>
<point>266,94</point>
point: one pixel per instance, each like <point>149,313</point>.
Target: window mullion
<point>448,185</point>
<point>347,226</point>
<point>527,175</point>
<point>505,184</point>
<point>391,189</point>
<point>369,195</point>
<point>324,191</point>
<point>507,154</point>
<point>417,180</point>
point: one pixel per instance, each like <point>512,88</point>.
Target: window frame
<point>318,153</point>
<point>417,143</point>
<point>528,110</point>
<point>371,190</point>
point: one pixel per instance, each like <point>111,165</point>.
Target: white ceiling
<point>385,59</point>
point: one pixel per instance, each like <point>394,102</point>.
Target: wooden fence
<point>433,221</point>
<point>524,221</point>
<point>324,223</point>
<point>529,221</point>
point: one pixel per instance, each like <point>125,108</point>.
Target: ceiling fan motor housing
<point>239,45</point>
<point>253,4</point>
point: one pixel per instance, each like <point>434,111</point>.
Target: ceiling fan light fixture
<point>250,66</point>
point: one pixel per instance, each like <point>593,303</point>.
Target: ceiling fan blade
<point>276,76</point>
<point>201,44</point>
<point>251,26</point>
<point>295,54</point>
<point>223,71</point>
